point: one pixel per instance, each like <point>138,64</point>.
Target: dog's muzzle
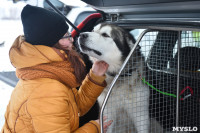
<point>82,40</point>
<point>83,37</point>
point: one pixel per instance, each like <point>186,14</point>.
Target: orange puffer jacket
<point>45,98</point>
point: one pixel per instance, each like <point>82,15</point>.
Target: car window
<point>189,51</point>
<point>189,41</point>
<point>56,3</point>
<point>188,38</point>
<point>145,45</point>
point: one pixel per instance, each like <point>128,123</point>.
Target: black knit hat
<point>41,26</point>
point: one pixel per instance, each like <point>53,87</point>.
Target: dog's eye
<point>105,35</point>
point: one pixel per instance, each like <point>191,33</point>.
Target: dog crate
<point>173,71</point>
<point>172,74</point>
<point>170,47</point>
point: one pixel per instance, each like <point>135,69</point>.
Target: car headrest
<point>189,59</point>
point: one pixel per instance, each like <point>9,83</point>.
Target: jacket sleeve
<point>49,106</point>
<point>91,88</point>
<point>90,127</point>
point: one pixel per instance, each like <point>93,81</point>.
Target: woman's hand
<point>99,68</point>
<point>105,124</point>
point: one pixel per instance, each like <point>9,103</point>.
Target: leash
<point>169,94</point>
<point>162,92</point>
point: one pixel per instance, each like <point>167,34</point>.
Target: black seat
<point>189,59</point>
<point>163,77</point>
<point>189,64</point>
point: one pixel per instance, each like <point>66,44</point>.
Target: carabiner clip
<point>188,95</point>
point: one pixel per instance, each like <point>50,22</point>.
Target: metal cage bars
<point>126,61</point>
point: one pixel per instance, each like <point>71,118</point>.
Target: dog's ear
<point>130,39</point>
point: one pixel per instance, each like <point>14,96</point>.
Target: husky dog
<point>128,105</point>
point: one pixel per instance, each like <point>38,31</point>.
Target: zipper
<point>76,103</point>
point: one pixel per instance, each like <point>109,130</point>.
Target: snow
<point>5,93</point>
<point>10,28</point>
<point>9,10</point>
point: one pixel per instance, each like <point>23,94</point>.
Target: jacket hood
<point>22,54</point>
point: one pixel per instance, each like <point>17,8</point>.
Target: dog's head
<point>107,42</point>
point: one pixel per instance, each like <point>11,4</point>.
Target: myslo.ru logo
<point>191,129</point>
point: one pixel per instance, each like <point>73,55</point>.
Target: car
<point>78,14</point>
<point>59,5</point>
<point>168,33</point>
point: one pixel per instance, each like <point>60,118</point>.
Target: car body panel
<point>159,10</point>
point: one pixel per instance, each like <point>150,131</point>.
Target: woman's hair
<point>77,63</point>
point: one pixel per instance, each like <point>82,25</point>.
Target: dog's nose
<point>83,35</point>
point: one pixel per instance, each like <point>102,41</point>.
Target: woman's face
<point>66,43</point>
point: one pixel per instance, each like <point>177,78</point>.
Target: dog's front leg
<point>140,114</point>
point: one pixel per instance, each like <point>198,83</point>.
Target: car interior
<point>171,47</point>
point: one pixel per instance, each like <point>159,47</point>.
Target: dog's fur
<point>128,105</point>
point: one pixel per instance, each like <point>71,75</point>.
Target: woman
<point>46,99</point>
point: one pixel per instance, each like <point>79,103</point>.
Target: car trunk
<point>168,32</point>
